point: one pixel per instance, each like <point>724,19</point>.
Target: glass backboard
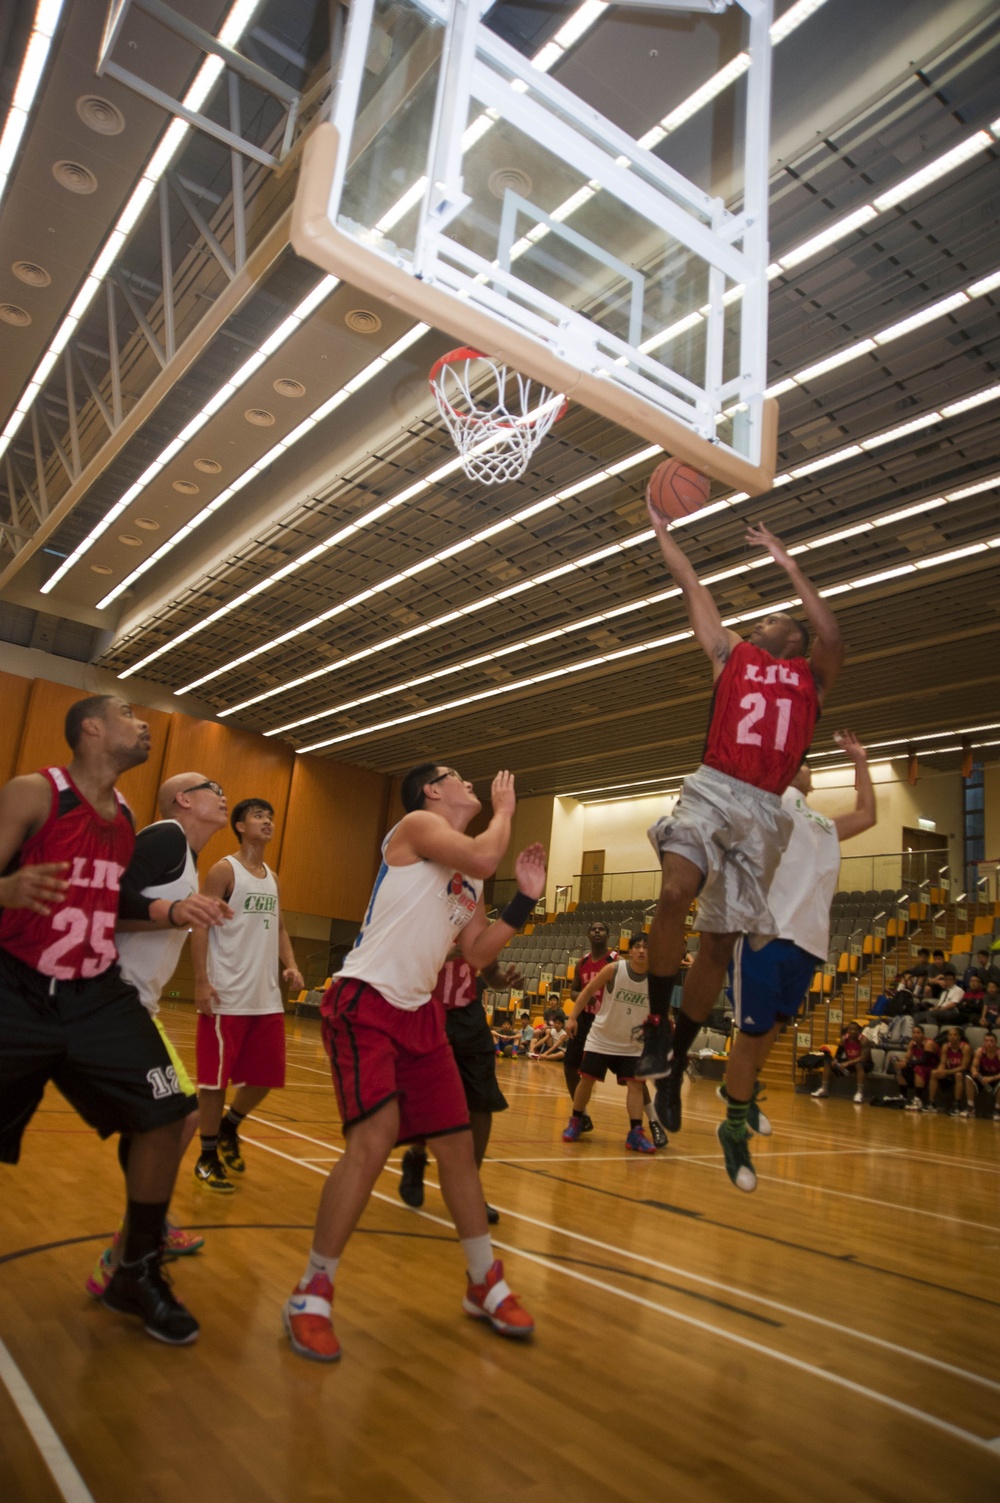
<point>459,180</point>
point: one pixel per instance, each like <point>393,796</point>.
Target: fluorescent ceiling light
<point>173,137</point>
<point>930,174</point>
<point>36,55</point>
<point>834,232</point>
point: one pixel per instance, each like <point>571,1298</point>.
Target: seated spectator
<point>937,975</point>
<point>896,999</point>
<point>985,968</point>
<point>913,1071</point>
<point>922,966</point>
<point>551,1045</point>
<point>984,1075</point>
<point>990,1015</point>
<point>956,1060</point>
<point>973,1000</point>
<point>949,1003</point>
<point>527,1033</point>
<point>505,1038</point>
<point>853,1056</point>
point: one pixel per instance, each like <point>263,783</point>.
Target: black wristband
<point>518,910</point>
<point>170,914</point>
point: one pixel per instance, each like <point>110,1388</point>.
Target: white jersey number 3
<point>756,708</point>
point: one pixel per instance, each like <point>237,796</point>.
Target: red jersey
<point>953,1056</point>
<point>455,985</point>
<point>764,710</point>
<point>586,970</point>
<point>923,1058</point>
<point>989,1064</point>
<point>850,1049</point>
<point>77,939</point>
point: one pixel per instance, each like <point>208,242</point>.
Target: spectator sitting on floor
<point>984,967</point>
<point>913,1070</point>
<point>947,1008</point>
<point>526,1036</point>
<point>990,1015</point>
<point>984,1075</point>
<point>505,1038</point>
<point>956,1059</point>
<point>853,1056</point>
<point>552,1043</point>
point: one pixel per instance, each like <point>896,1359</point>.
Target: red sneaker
<point>494,1302</point>
<point>180,1244</point>
<point>307,1320</point>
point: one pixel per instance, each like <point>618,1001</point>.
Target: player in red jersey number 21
<point>725,836</point>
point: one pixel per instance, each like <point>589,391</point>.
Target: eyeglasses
<point>449,772</point>
<point>212,787</point>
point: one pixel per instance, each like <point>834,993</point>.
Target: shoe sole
<point>517,1333</point>
<point>170,1253</point>
<point>223,1189</point>
<point>304,1351</point>
<point>747,1189</point>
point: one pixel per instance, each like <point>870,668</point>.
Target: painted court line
<point>727,1288</point>
<point>55,1455</point>
<point>871,1395</point>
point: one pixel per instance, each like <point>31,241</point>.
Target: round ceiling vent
<point>100,115</point>
<point>147,524</point>
<point>286,387</point>
<point>74,176</point>
<point>100,568</point>
<point>12,314</point>
<point>208,466</point>
<point>363,321</point>
<point>259,417</point>
<point>186,487</point>
<point>130,540</point>
<point>31,273</point>
<point>510,180</point>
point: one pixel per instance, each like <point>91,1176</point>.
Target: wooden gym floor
<point>835,1336</point>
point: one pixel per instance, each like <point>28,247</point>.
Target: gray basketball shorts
<point>735,835</point>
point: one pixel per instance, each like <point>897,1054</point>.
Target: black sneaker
<point>210,1174</point>
<point>739,1164</point>
<point>654,1061</point>
<point>668,1099</point>
<point>657,1134</point>
<point>229,1150</point>
<point>587,1124</point>
<point>411,1183</point>
<point>492,1214</point>
<point>143,1289</point>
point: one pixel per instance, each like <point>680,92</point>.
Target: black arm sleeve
<point>159,856</point>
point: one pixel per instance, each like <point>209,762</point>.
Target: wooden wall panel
<point>14,695</point>
<point>330,854</point>
<point>244,765</point>
<point>43,745</point>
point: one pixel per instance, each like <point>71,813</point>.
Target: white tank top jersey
<point>243,953</point>
<point>625,1007</point>
<point>806,880</point>
<point>149,957</point>
<point>415,914</point>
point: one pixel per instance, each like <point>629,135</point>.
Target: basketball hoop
<point>497,432</point>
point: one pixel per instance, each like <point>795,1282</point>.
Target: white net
<point>496,417</point>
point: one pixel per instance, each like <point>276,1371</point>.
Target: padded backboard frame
<point>392,199</point>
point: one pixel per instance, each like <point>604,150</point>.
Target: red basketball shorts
<point>378,1052</point>
<point>240,1049</point>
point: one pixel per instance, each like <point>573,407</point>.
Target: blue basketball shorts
<point>769,985</point>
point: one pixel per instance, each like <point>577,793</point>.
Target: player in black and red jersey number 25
<point>725,836</point>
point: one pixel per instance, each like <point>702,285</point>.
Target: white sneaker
<point>915,1105</point>
<point>859,1097</point>
<point>821,1092</point>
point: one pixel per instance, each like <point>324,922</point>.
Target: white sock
<point>318,1264</point>
<point>651,1112</point>
<point>478,1257</point>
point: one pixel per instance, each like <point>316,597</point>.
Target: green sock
<point>736,1116</point>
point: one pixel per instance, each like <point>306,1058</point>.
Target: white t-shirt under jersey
<point>625,1007</point>
<point>243,953</point>
<point>414,916</point>
<point>149,957</point>
<point>804,884</point>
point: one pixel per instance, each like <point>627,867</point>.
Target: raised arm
<point>827,656</point>
<point>423,836</point>
<point>862,816</point>
<point>481,941</point>
<point>703,613</point>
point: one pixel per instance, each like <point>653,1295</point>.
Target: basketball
<point>675,490</point>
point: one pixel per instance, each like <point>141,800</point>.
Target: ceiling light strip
<point>170,143</point>
<point>594,660</point>
<point>36,55</point>
<point>642,456</point>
